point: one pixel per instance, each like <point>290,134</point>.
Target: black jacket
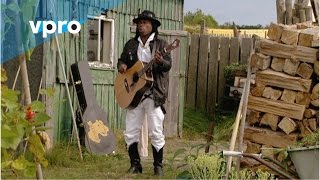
<point>160,72</point>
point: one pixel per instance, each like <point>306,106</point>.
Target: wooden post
<point>235,30</point>
<point>281,9</point>
<point>203,26</point>
<point>302,14</point>
<point>288,11</point>
<point>309,13</point>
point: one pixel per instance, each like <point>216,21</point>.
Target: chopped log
<point>313,124</point>
<point>288,125</point>
<point>302,15</point>
<point>304,25</point>
<point>295,20</point>
<point>288,13</point>
<point>268,150</point>
<point>275,31</point>
<point>260,61</point>
<point>303,98</point>
<point>281,9</point>
<point>288,96</point>
<point>257,90</point>
<point>305,70</point>
<point>277,64</point>
<point>316,67</point>
<point>301,53</point>
<point>308,36</point>
<point>291,66</point>
<point>304,131</point>
<point>315,92</point>
<point>305,122</point>
<point>277,107</point>
<point>253,148</point>
<point>271,120</point>
<point>290,36</point>
<point>253,118</point>
<point>268,137</point>
<point>315,102</point>
<point>271,93</point>
<point>281,80</point>
<point>309,113</point>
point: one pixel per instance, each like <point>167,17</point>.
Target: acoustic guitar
<point>131,85</point>
<point>99,139</point>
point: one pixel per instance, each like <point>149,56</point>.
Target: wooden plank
<point>300,53</point>
<point>288,13</point>
<point>202,73</point>
<point>212,75</point>
<point>275,31</point>
<point>246,46</point>
<point>223,62</point>
<point>281,80</point>
<point>269,137</point>
<point>276,107</point>
<point>281,9</point>
<point>182,82</point>
<point>192,71</point>
<point>234,50</point>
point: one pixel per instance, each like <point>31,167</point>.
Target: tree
<point>195,18</point>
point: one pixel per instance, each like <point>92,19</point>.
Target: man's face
<point>144,27</point>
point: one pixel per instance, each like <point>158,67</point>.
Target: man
<point>144,47</point>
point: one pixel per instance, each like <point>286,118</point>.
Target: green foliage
<point>309,140</point>
<point>232,69</point>
<point>195,18</point>
<point>207,166</point>
<point>17,124</point>
<point>229,25</point>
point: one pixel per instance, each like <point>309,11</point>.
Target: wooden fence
<point>206,60</point>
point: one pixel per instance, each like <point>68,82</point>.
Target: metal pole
<point>69,97</point>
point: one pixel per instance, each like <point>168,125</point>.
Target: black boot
<point>157,163</point>
<point>134,159</point>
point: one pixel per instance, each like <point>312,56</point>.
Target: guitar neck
<point>148,66</point>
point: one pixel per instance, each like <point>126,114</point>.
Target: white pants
<point>134,121</point>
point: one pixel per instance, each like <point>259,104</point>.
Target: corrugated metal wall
<point>74,48</point>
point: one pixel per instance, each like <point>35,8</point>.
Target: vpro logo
<point>50,27</point>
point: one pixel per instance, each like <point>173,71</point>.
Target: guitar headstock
<point>173,45</point>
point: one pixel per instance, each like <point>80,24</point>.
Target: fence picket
<point>212,75</point>
<point>202,73</point>
<point>192,72</point>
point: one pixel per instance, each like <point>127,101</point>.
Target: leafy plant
<point>21,148</point>
<point>234,69</point>
<point>309,140</point>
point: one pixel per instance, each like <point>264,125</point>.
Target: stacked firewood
<point>296,11</point>
<point>284,101</point>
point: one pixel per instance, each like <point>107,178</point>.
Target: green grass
<point>65,162</point>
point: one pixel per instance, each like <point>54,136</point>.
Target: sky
<point>242,12</point>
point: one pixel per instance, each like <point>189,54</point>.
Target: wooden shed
<point>107,27</point>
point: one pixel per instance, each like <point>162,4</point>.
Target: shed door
<point>175,102</point>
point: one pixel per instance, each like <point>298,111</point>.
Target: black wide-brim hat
<point>147,15</point>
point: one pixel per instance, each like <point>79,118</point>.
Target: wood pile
<point>283,104</point>
<point>289,12</point>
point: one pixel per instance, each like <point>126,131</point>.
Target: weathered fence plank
<point>234,50</point>
<point>212,74</point>
<point>192,72</point>
<point>223,62</point>
<point>202,73</point>
<point>246,45</point>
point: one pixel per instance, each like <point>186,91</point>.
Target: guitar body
<point>129,93</point>
<point>99,138</point>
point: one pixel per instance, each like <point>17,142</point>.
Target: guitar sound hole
<point>135,77</point>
